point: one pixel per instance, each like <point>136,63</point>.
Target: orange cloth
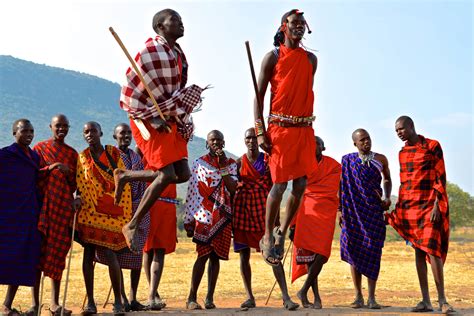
<point>316,217</point>
<point>161,149</point>
<point>99,221</point>
<point>162,233</point>
<point>293,148</point>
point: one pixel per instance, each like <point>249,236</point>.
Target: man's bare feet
<point>317,303</point>
<point>119,184</point>
<point>304,299</point>
<point>129,235</point>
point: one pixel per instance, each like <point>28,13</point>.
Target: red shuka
<point>293,148</point>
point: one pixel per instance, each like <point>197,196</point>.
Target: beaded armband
<point>259,127</point>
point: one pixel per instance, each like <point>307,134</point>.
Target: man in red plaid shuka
<point>163,143</point>
<point>58,205</point>
<point>421,215</point>
<point>249,215</point>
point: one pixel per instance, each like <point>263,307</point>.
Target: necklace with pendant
<point>366,159</point>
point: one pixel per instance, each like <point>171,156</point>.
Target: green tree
<point>461,207</point>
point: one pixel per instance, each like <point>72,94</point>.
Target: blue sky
<point>377,60</point>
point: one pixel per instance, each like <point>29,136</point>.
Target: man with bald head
<point>315,223</point>
<point>421,215</point>
<point>162,142</point>
<point>99,221</point>
<point>20,240</point>
<point>57,212</point>
<point>362,206</point>
<point>249,216</point>
<point>208,214</point>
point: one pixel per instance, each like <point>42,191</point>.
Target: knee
<point>278,189</point>
<point>299,185</point>
<point>183,176</point>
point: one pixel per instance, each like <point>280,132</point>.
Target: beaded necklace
<point>366,159</point>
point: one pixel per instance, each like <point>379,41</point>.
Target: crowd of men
<point>125,201</point>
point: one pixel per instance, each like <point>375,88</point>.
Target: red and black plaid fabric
<point>56,213</point>
<point>251,197</point>
<point>422,180</point>
<point>220,244</point>
<point>166,76</point>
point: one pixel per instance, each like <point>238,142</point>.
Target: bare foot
<point>129,235</point>
<point>317,303</point>
<point>119,184</point>
<point>304,299</point>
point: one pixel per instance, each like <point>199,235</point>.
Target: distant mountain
<point>37,92</point>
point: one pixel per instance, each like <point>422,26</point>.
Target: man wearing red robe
<point>289,139</point>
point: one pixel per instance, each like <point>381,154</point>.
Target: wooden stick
<point>69,264</point>
<point>283,264</point>
<point>139,74</point>
<point>108,297</point>
<point>40,303</point>
<point>254,79</point>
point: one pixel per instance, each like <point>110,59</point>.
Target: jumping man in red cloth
<point>421,215</point>
<point>289,138</point>
<point>163,143</point>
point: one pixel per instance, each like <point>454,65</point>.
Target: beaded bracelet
<point>224,172</point>
<point>259,127</point>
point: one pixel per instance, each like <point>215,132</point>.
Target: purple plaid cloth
<point>126,259</point>
<point>363,230</point>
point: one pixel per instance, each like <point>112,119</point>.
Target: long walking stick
<point>108,297</point>
<point>283,264</point>
<point>69,264</point>
<point>254,79</point>
<point>40,303</point>
<point>139,74</point>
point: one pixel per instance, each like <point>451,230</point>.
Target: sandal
<point>10,311</point>
<point>58,311</point>
<point>304,300</point>
<point>33,311</point>
<point>154,306</point>
<point>192,305</point>
<point>135,306</point>
<point>268,253</point>
<point>208,304</point>
<point>248,304</point>
<point>373,305</point>
<point>89,310</point>
<point>280,240</point>
<point>290,305</point>
<point>445,308</point>
<point>358,303</point>
<point>118,308</point>
<point>422,307</point>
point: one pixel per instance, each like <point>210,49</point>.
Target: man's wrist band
<point>259,127</point>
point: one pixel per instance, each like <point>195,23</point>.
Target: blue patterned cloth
<point>363,231</point>
<point>20,238</point>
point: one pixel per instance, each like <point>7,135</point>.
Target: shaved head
<point>95,124</point>
<point>160,17</point>
<point>357,132</point>
<point>16,125</point>
<point>59,117</point>
<point>405,121</point>
<point>215,133</point>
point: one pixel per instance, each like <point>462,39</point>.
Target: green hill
<point>37,92</point>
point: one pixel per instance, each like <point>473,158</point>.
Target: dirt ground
<point>397,285</point>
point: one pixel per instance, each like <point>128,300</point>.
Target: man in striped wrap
<point>421,215</point>
<point>362,214</point>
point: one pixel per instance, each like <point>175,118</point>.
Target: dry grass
<point>397,285</point>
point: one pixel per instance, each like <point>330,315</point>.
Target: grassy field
<point>397,285</point>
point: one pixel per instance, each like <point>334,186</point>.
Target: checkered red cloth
<point>251,197</point>
<point>56,213</point>
<point>422,179</point>
<point>166,76</point>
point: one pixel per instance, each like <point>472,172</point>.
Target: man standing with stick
<point>159,108</point>
<point>289,138</point>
